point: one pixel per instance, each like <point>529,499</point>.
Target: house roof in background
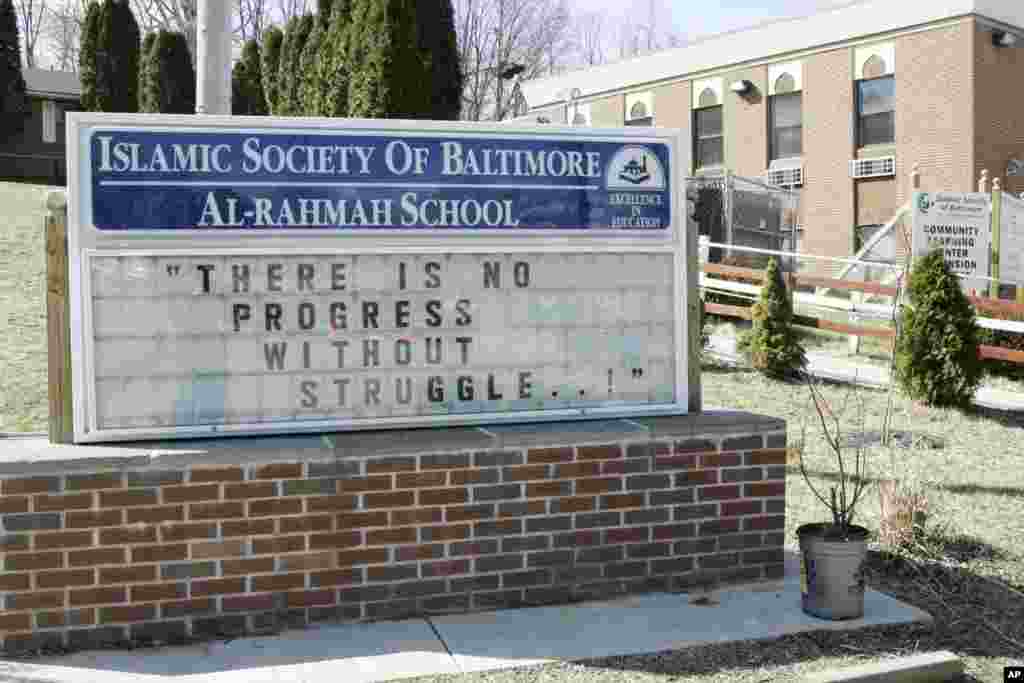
<point>63,85</point>
<point>773,39</point>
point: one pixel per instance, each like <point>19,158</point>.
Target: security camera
<point>741,87</point>
<point>1003,39</point>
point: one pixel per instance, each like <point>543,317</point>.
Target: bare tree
<point>170,15</point>
<point>497,37</point>
<point>63,33</point>
<point>253,17</point>
<point>31,16</point>
<point>286,9</point>
<point>591,47</point>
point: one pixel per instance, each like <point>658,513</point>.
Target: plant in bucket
<point>833,553</point>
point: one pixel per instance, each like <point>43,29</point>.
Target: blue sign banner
<point>148,180</point>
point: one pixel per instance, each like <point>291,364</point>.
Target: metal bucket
<point>831,572</point>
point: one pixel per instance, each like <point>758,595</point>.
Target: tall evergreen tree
<point>324,9</point>
<point>117,59</point>
<point>247,97</point>
<point>145,62</point>
<point>333,65</point>
<point>387,77</point>
<point>270,61</point>
<point>87,55</point>
<point>440,48</point>
<point>13,101</point>
<point>170,85</point>
<point>310,88</point>
<point>288,75</point>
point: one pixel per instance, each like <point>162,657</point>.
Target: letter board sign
<point>238,275</point>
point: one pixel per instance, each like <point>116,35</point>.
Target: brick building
<point>840,104</point>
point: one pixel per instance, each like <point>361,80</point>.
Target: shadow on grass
<point>1009,491</point>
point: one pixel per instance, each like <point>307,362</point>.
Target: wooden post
<point>997,219</point>
<point>915,177</point>
<point>693,316</point>
<point>58,320</point>
<point>983,181</point>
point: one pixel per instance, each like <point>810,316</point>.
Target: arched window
<point>579,119</point>
<point>874,67</point>
<point>785,84</point>
<point>708,98</point>
<point>638,111</point>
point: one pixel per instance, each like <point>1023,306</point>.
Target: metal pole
<point>213,63</point>
<point>997,220</point>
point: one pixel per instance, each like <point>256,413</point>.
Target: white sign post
<point>1012,246</point>
<point>960,225</point>
<point>241,276</point>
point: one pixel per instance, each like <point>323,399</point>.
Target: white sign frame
<point>85,241</point>
<point>929,206</point>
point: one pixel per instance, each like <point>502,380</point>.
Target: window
<point>876,115</point>
<point>786,116</point>
<point>708,138</point>
<point>50,114</point>
<point>639,115</point>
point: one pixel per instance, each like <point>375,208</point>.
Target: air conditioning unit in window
<point>877,167</point>
<point>785,177</point>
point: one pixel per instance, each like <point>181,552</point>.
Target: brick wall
<point>672,110</point>
<point>108,554</point>
<point>745,120</point>
<point>999,123</point>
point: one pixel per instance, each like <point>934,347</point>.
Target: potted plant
<point>833,553</point>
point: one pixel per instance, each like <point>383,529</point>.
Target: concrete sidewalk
<point>361,653</point>
<point>845,370</point>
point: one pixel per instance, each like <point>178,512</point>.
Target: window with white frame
<point>50,114</point>
<point>708,138</point>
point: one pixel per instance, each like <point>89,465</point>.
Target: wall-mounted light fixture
<point>742,87</point>
<point>1003,39</point>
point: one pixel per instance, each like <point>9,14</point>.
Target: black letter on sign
<point>403,352</point>
<point>465,385</point>
<point>462,307</point>
<point>338,276</point>
<point>372,387</point>
<point>274,277</point>
<point>492,392</point>
<point>401,314</point>
<point>524,384</point>
<point>307,316</point>
<point>338,319</point>
<point>435,353</point>
<point>522,274</point>
<point>435,389</point>
<point>403,390</point>
<point>401,276</point>
<point>273,312</point>
<point>309,399</point>
<point>492,275</point>
<point>242,312</point>
<point>205,270</point>
<point>240,276</point>
<point>306,273</point>
<point>275,352</point>
<point>433,313</point>
<point>370,311</point>
<point>433,279</point>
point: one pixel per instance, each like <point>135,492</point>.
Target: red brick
<point>337,577</point>
<point>412,553</point>
<point>675,462</point>
<point>159,591</point>
<point>452,532</point>
<point>219,587</point>
<point>127,613</point>
<point>390,500</point>
<point>67,539</point>
<point>361,484</point>
<point>82,617</point>
<point>311,598</point>
<point>90,482</point>
<point>766,488</point>
<point>90,518</point>
<point>29,561</point>
<point>618,502</point>
<point>466,477</point>
<point>126,535</point>
<point>417,516</point>
<point>247,527</point>
<point>443,496</point>
<point>391,465</point>
<point>92,558</point>
<point>159,553</point>
<point>350,558</point>
<point>275,507</point>
<point>721,460</point>
<point>109,575</point>
<point>720,492</point>
<point>332,503</point>
<point>216,510</point>
<point>628,535</point>
<point>603,452</point>
<point>13,504</point>
<point>98,596</point>
<point>308,562</point>
<point>247,603</point>
<point>673,531</point>
<point>75,577</point>
<point>30,485</point>
<point>15,582</point>
<point>187,532</point>
<point>189,494</point>
<point>217,549</point>
<point>202,475</point>
<point>525,473</point>
<point>338,540</point>
<point>128,498</point>
<point>151,515</point>
<point>279,471</point>
<point>576,504</point>
<point>391,536</point>
<point>415,480</point>
<point>253,489</point>
<point>40,600</point>
<point>518,509</point>
<point>741,507</point>
<point>258,565</point>
<point>549,455</point>
<point>768,456</point>
<point>358,520</point>
<point>279,544</point>
<point>584,486</point>
<point>15,622</point>
<point>544,489</point>
<point>73,501</point>
<point>764,523</point>
<point>578,469</point>
<point>697,477</point>
<point>294,525</point>
<point>278,582</point>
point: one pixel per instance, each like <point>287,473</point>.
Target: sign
<point>960,225</point>
<point>324,275</point>
<point>1011,244</point>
